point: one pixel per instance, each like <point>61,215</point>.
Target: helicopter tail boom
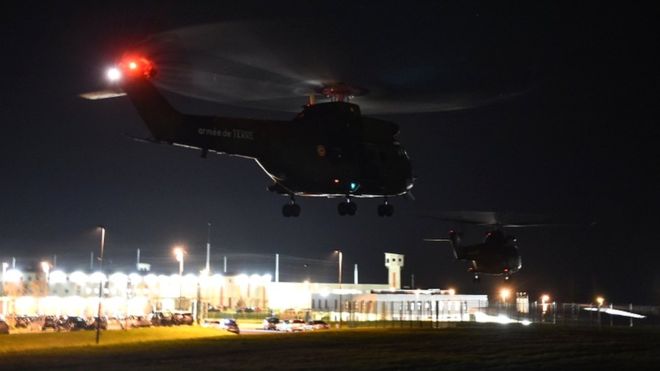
<point>162,120</point>
<point>233,136</point>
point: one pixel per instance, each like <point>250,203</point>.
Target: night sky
<point>575,142</point>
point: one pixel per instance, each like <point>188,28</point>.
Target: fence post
<point>630,308</point>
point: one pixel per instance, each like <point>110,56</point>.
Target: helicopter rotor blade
<point>277,65</point>
<point>498,219</point>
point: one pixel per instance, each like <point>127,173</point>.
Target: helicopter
<point>328,149</point>
<point>498,253</point>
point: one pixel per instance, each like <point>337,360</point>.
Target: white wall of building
<point>415,305</point>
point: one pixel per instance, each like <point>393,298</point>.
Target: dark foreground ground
<point>467,347</point>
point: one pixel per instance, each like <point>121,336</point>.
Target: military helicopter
<point>328,150</point>
<point>498,254</point>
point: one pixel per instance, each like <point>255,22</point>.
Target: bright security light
<point>57,277</point>
<point>13,276</point>
<point>97,277</point>
<point>254,279</point>
<point>118,278</point>
<point>78,277</point>
<point>135,278</point>
<point>242,279</point>
<point>504,294</point>
<point>178,254</point>
<point>113,74</point>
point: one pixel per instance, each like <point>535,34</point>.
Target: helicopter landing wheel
<point>385,209</point>
<point>292,209</point>
<point>347,208</point>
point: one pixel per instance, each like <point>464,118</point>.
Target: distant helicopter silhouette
<point>498,254</point>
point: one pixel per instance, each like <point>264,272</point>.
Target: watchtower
<point>394,263</point>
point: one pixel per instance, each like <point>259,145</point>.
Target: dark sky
<point>578,144</point>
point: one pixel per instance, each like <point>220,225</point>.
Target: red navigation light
<point>135,66</point>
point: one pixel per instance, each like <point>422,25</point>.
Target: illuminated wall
<point>402,305</point>
<point>76,293</point>
<point>298,295</point>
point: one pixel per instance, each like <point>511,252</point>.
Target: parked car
<point>231,326</point>
<point>103,324</point>
<point>75,324</point>
<point>22,322</point>
<point>211,322</point>
<point>220,323</point>
<point>139,321</point>
<point>183,318</point>
<point>52,322</point>
<point>162,319</point>
<point>292,325</point>
<point>316,325</point>
<point>270,323</point>
<point>4,327</point>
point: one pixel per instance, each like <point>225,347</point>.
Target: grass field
<point>466,347</point>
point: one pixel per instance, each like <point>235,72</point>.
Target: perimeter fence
<point>425,314</point>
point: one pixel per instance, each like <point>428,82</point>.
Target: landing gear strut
<point>385,209</point>
<point>291,209</point>
<point>347,207</point>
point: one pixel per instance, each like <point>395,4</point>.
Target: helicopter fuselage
<point>497,255</point>
<point>327,150</point>
<point>493,260</point>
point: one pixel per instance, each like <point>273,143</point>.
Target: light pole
<point>341,308</point>
<point>45,266</point>
<point>5,265</point>
<point>178,255</point>
<point>600,300</point>
<point>544,306</point>
<point>208,249</point>
<point>504,294</point>
<point>98,318</point>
